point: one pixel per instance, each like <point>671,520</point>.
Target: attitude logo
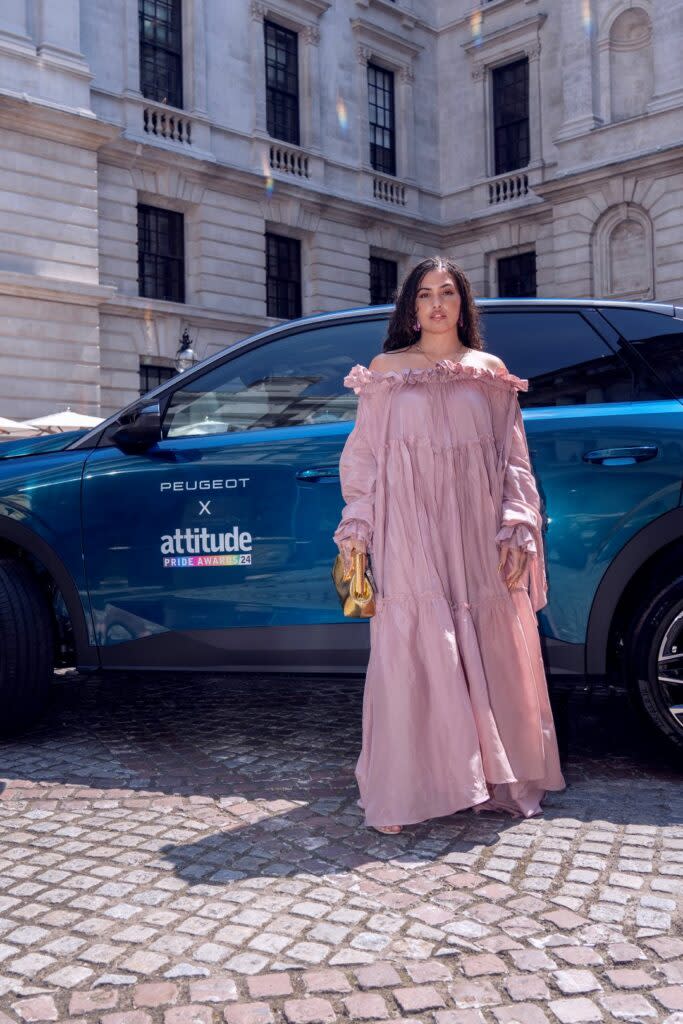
<point>199,548</point>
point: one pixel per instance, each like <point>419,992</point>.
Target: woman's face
<point>438,302</point>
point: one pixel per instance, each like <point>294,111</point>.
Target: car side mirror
<point>138,430</point>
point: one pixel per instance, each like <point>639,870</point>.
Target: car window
<point>296,380</point>
<point>564,359</point>
<point>659,340</point>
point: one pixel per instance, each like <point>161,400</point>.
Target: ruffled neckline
<point>362,379</point>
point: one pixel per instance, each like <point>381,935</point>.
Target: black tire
<point>26,647</point>
<point>654,658</point>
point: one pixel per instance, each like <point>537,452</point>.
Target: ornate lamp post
<point>185,357</point>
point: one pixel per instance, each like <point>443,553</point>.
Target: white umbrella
<point>15,428</point>
<point>56,422</point>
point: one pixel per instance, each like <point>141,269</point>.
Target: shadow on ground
<point>293,740</point>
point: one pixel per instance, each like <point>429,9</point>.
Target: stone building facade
<point>580,103</point>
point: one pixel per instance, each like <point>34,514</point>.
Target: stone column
<point>258,67</point>
<point>311,127</point>
<point>363,53</point>
<point>57,27</point>
<point>14,18</point>
<point>535,107</point>
<point>405,125</point>
<point>131,47</point>
<point>578,67</point>
<point>194,47</point>
<point>481,136</point>
<point>667,32</point>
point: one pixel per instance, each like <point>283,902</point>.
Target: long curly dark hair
<point>401,332</point>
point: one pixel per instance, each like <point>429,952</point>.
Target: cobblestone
<point>172,856</point>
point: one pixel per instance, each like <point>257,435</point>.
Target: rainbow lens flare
<point>342,115</point>
<point>270,184</point>
<point>587,16</point>
<point>476,25</point>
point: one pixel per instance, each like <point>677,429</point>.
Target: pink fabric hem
<point>468,803</point>
<point>528,804</point>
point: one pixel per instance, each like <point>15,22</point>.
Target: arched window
<point>631,70</point>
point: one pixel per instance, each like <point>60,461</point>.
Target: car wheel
<point>26,647</point>
<point>654,660</point>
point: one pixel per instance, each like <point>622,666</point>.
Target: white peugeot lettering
<point>219,484</point>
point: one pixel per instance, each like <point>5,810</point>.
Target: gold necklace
<point>435,361</point>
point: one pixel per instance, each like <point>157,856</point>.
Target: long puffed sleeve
<point>357,471</point>
<point>521,518</point>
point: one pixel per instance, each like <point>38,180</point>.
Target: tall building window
<point>383,281</point>
<point>511,116</point>
<point>152,376</point>
<point>161,254</point>
<point>517,276</point>
<point>282,83</point>
<point>161,57</point>
<point>382,127</point>
<point>283,276</point>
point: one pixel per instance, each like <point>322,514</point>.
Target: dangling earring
<point>416,327</point>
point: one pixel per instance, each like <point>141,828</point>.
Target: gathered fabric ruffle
<point>519,536</point>
<point>362,379</point>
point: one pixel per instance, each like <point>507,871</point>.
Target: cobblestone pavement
<point>189,852</point>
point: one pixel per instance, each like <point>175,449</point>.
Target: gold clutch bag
<point>355,588</point>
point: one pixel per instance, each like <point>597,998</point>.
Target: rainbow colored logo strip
<point>204,561</point>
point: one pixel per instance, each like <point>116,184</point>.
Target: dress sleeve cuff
<point>519,536</point>
<point>353,529</point>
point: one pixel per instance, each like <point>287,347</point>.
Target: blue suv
<point>193,530</point>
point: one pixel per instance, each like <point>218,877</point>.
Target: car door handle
<point>318,473</point>
<point>622,456</point>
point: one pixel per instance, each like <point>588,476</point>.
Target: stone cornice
<point>290,10</point>
<point>465,20</point>
<point>250,185</point>
<point>60,124</point>
<point>196,316</point>
<point>406,18</point>
<point>32,286</point>
<point>384,41</point>
<point>573,184</point>
<point>489,220</point>
<point>509,33</point>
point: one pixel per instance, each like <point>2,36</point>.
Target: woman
<point>439,489</point>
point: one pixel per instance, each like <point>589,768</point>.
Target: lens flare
<point>270,184</point>
<point>476,25</point>
<point>586,16</point>
<point>342,115</point>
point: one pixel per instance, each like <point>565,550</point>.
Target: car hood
<point>39,445</point>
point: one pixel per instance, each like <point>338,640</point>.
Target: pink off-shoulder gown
<point>456,713</point>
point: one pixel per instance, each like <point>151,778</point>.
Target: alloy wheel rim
<point>670,669</point>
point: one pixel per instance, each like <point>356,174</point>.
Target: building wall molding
<point>168,183</point>
<point>59,124</point>
<point>30,286</point>
<point>290,10</point>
